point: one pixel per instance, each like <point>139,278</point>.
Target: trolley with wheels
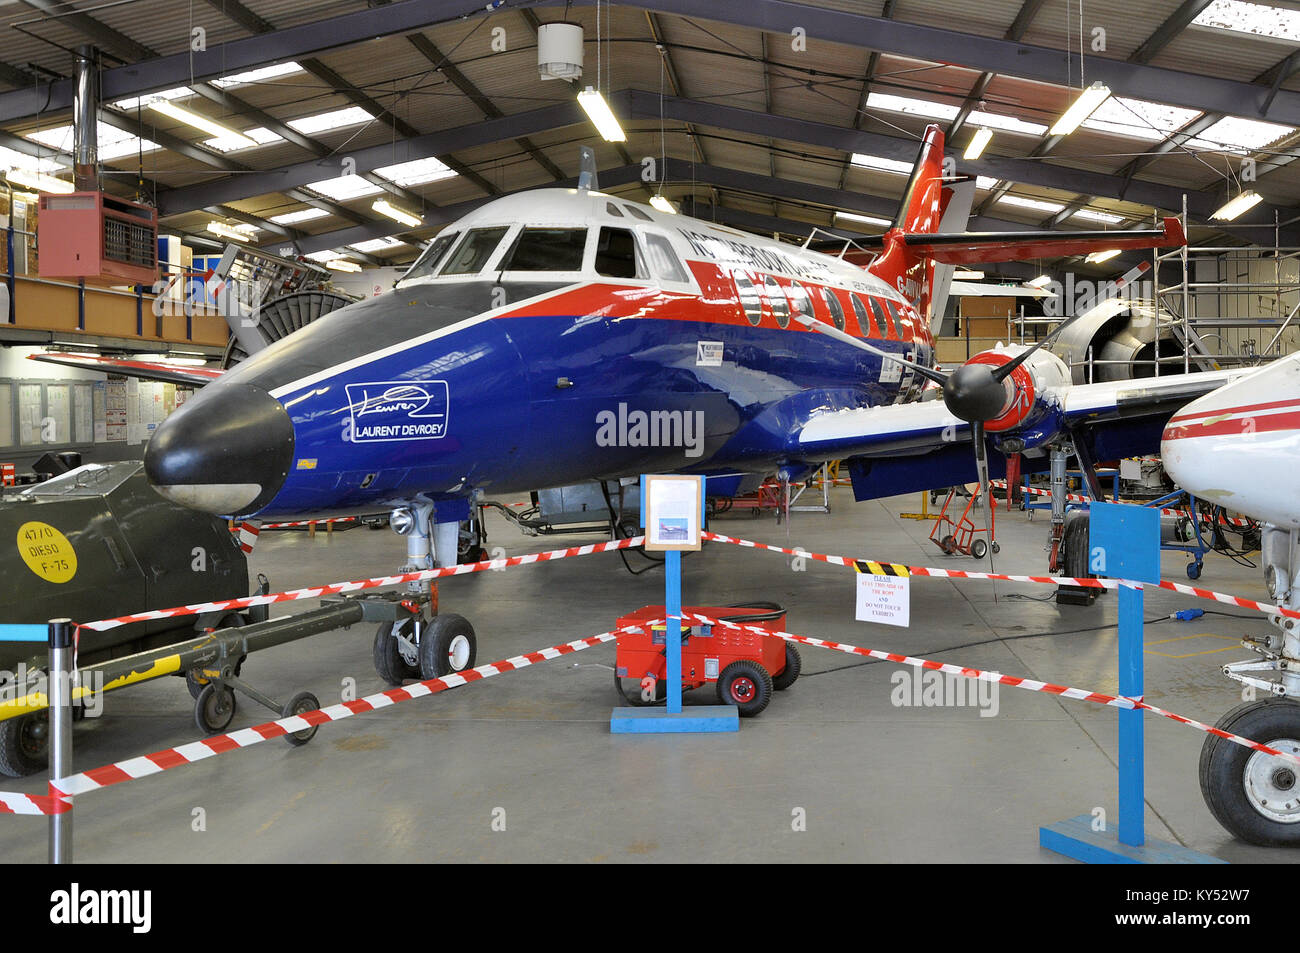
<point>961,535</point>
<point>745,666</point>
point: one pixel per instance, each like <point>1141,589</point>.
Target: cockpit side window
<point>617,255</point>
<point>667,266</point>
<point>474,251</point>
<point>428,261</point>
<point>547,249</point>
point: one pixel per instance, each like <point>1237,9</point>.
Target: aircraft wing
<point>147,370</point>
<point>920,446</point>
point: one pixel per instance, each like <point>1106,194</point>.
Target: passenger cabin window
<point>895,321</point>
<point>667,266</point>
<point>616,255</point>
<point>799,300</point>
<point>636,212</point>
<point>750,299</point>
<point>886,329</point>
<point>776,298</point>
<point>474,251</point>
<point>547,249</point>
<point>428,261</point>
<point>864,319</point>
<point>901,321</point>
<point>834,307</point>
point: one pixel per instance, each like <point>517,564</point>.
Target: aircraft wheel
<point>448,645</point>
<point>394,661</point>
<point>215,709</point>
<point>25,745</point>
<point>297,705</point>
<point>793,667</point>
<point>978,548</point>
<point>747,685</point>
<point>1255,796</point>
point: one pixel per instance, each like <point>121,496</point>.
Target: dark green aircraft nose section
<point>227,451</point>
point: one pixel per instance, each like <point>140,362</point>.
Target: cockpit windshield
<point>474,251</point>
<point>547,249</point>
<point>427,262</point>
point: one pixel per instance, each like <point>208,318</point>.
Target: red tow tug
<point>746,666</point>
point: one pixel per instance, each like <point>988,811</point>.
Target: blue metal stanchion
<point>1124,544</point>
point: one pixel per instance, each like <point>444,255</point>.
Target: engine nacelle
<point>1026,387</point>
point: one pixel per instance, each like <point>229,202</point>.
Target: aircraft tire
<point>24,745</point>
<point>793,667</point>
<point>1255,796</point>
<point>389,663</point>
<point>447,645</point>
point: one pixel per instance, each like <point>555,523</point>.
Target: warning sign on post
<point>884,599</point>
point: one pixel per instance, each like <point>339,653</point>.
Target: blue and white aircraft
<point>558,336</point>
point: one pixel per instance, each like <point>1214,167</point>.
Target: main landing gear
<point>420,642</point>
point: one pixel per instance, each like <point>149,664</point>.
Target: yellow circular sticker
<point>47,552</point>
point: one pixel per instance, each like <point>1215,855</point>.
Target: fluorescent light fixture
<point>417,172</point>
<point>345,188</point>
<point>302,215</point>
<point>1097,257</point>
<point>259,134</point>
<point>878,164</point>
<point>1234,208</point>
<point>663,204</point>
<point>1254,18</point>
<point>378,244</point>
<point>1106,218</point>
<point>863,219</point>
<point>179,92</point>
<point>1005,123</point>
<point>1042,281</point>
<point>335,119</point>
<point>1081,109</point>
<point>39,181</point>
<point>385,207</point>
<point>1037,205</point>
<point>968,276</point>
<point>975,147</point>
<point>342,264</point>
<point>258,75</point>
<point>912,107</point>
<point>601,116</point>
<point>239,233</point>
<point>201,122</point>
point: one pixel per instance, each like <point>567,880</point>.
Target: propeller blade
<point>816,324</point>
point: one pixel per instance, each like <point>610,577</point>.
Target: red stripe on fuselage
<point>1243,426</point>
<point>1243,409</point>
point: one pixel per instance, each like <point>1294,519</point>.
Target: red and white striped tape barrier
<point>33,804</point>
<point>320,522</point>
<point>1076,498</point>
<point>1028,684</point>
<point>1265,607</point>
<point>246,535</point>
<point>376,582</point>
<point>168,758</point>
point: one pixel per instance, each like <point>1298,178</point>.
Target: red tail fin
<point>912,274</point>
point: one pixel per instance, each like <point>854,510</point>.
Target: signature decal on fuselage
<point>398,410</point>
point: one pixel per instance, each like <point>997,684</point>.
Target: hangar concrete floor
<point>422,781</point>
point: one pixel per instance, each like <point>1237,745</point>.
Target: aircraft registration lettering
<point>398,410</point>
<point>47,552</point>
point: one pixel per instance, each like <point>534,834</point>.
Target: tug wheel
<point>215,708</point>
<point>394,661</point>
<point>793,666</point>
<point>448,645</point>
<point>1254,795</point>
<point>747,685</point>
<point>297,705</point>
<point>24,745</point>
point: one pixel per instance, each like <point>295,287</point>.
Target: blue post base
<point>628,721</point>
<point>1075,838</point>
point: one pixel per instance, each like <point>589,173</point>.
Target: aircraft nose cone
<point>227,451</point>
